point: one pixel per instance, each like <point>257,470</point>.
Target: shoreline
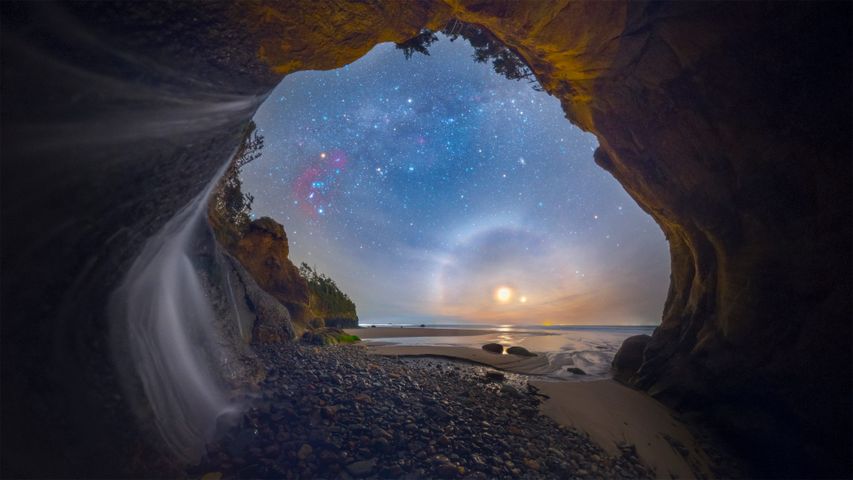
<point>401,332</point>
<point>342,412</point>
<point>612,414</point>
<point>417,411</point>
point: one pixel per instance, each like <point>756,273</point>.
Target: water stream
<point>164,326</point>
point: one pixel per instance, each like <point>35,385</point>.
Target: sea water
<point>588,347</point>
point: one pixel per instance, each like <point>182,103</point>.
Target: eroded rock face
<point>263,251</point>
<point>728,123</point>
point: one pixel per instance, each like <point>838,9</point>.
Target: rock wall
<point>729,123</point>
<point>263,250</point>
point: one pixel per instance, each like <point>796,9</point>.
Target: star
<point>412,209</point>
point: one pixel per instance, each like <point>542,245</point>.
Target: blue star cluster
<point>423,185</point>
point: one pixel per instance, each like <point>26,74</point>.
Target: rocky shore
<point>339,412</point>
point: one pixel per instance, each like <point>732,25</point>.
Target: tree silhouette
<point>327,299</point>
<point>230,204</point>
<point>419,44</point>
<point>487,49</point>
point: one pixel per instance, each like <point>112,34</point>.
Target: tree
<point>419,44</point>
<point>230,203</point>
<point>487,49</point>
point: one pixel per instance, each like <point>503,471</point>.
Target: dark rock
<point>361,468</point>
<point>511,391</point>
<point>304,451</point>
<point>447,470</point>
<point>494,376</point>
<point>576,371</point>
<point>493,347</point>
<point>521,351</point>
<point>629,358</point>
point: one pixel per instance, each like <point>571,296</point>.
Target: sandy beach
<point>615,417</point>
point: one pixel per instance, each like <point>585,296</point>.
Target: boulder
<point>521,351</point>
<point>494,376</point>
<point>493,347</point>
<point>629,357</point>
<point>576,371</point>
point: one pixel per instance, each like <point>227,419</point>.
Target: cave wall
<point>729,123</point>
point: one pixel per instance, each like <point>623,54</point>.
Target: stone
<point>521,351</point>
<point>629,358</point>
<point>493,347</point>
<point>575,370</point>
<point>511,391</point>
<point>361,468</point>
<point>304,451</point>
<point>448,469</point>
<point>495,376</point>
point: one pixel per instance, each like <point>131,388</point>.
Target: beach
<point>343,412</point>
<point>612,415</point>
<point>394,406</point>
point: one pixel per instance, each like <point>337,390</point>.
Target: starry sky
<point>434,190</point>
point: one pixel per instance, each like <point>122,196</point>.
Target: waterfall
<point>164,335</point>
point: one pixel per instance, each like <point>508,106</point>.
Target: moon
<point>503,294</point>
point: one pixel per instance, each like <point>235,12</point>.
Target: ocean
<point>588,347</point>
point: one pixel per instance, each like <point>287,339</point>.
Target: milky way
<point>422,186</point>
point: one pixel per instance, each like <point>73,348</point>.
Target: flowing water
<point>165,327</point>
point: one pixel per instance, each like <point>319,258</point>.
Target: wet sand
<point>398,332</point>
<point>537,365</point>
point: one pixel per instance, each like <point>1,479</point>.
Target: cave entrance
<point>439,190</point>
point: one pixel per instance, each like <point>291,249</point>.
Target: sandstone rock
<point>493,347</point>
<point>521,351</point>
<point>629,358</point>
<point>263,251</point>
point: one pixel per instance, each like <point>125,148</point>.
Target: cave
<point>728,123</point>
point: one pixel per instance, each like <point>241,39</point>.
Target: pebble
<point>339,412</point>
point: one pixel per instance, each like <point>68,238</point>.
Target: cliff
<point>329,306</point>
<point>260,250</point>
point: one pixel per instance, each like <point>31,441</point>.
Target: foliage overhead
<point>230,203</point>
<point>487,49</point>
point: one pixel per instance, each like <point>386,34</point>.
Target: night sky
<point>435,190</point>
